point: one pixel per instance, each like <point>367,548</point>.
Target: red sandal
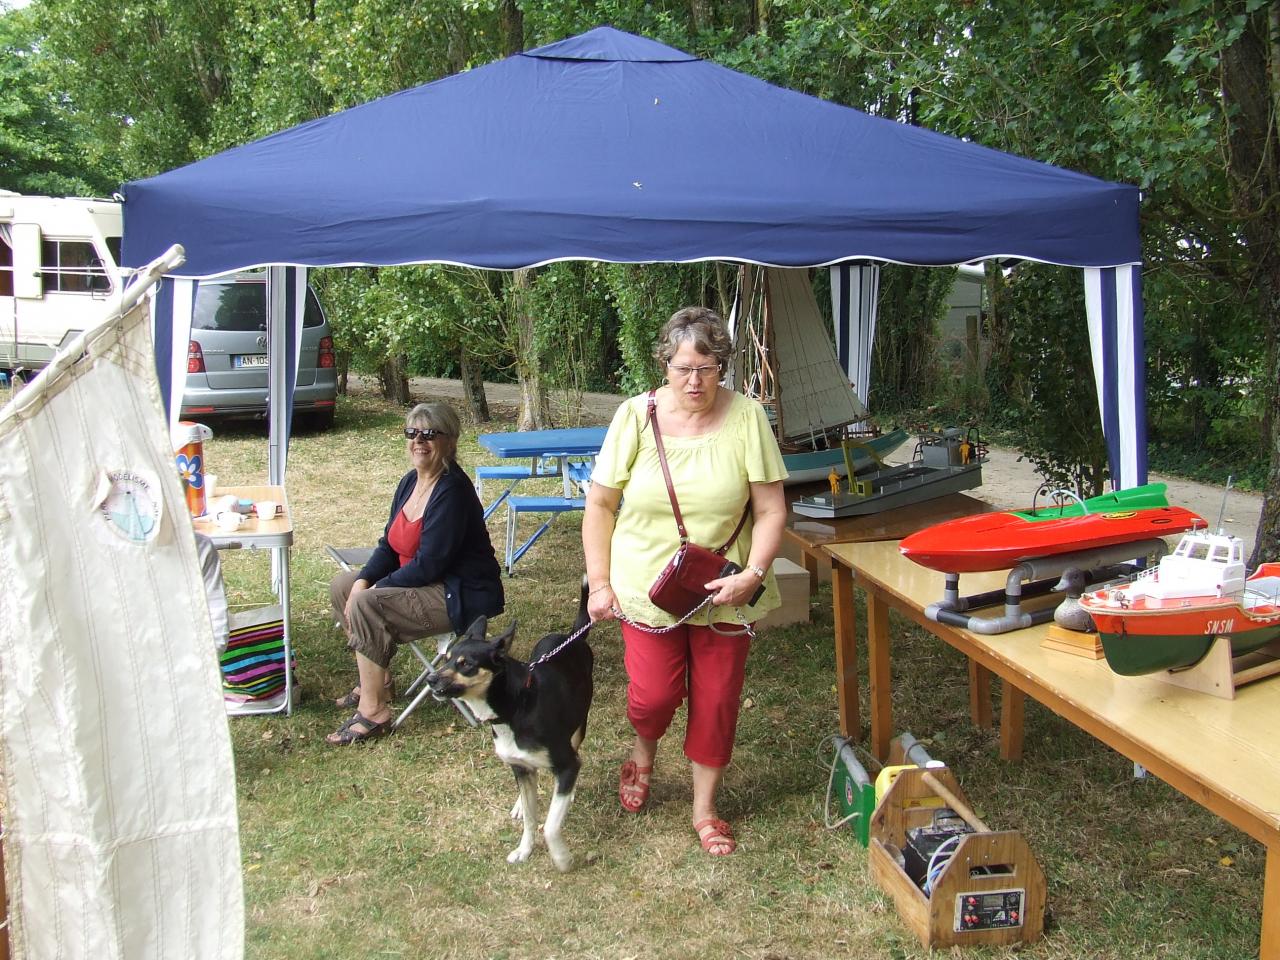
<point>633,793</point>
<point>720,835</point>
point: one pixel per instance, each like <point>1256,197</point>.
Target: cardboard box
<point>793,584</point>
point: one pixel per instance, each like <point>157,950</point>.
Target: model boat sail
<point>784,357</point>
<point>1168,617</point>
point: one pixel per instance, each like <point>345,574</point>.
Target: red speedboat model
<point>999,541</point>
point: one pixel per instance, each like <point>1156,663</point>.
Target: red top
<point>403,537</point>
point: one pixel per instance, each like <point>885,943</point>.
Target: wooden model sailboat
<point>783,357</point>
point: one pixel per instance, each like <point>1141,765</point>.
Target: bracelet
<point>758,571</point>
<point>603,586</point>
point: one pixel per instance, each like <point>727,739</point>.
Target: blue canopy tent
<point>608,146</point>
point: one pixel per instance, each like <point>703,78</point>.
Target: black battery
<point>923,842</point>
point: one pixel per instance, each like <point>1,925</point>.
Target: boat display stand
<point>1036,578</point>
<point>1076,642</point>
<point>1219,674</point>
<point>953,879</point>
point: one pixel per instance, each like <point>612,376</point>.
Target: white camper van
<point>59,260</point>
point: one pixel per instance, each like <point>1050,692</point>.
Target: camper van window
<point>6,266</point>
<point>72,266</point>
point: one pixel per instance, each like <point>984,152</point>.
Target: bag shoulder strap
<point>652,417</point>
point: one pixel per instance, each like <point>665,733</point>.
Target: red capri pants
<point>693,661</point>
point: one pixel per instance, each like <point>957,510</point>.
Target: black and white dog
<point>537,712</point>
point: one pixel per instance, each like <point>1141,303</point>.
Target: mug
<point>266,509</point>
<point>228,520</point>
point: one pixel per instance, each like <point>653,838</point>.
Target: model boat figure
<point>943,463</point>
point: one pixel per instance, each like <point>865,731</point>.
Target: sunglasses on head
<point>427,433</point>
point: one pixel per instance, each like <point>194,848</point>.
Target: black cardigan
<point>454,549</point>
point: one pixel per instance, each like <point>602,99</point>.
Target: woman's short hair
<point>444,420</point>
<point>700,327</point>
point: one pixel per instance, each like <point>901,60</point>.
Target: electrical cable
<point>935,866</point>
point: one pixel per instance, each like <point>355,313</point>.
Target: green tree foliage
<point>904,366</point>
<point>147,76</point>
<point>44,148</point>
<point>1047,377</point>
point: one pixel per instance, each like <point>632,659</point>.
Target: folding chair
<point>353,558</point>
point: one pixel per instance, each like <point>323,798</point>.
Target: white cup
<point>210,487</point>
<point>266,509</point>
<point>228,520</point>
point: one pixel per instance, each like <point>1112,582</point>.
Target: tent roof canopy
<point>608,146</point>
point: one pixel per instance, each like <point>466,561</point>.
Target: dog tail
<point>583,617</point>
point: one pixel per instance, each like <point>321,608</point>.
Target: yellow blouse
<point>711,473</point>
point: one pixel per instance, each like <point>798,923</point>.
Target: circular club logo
<point>129,501</point>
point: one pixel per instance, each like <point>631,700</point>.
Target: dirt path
<point>1007,481</point>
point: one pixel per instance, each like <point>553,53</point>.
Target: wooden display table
<point>1223,754</point>
<point>810,534</point>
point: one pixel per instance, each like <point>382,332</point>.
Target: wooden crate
<point>1007,871</point>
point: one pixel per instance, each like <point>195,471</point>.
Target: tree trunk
<point>395,379</point>
<point>700,14</point>
<point>761,18</point>
<point>535,409</point>
<point>511,20</point>
<point>473,388</point>
<point>1250,75</point>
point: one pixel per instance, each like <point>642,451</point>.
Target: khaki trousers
<point>382,618</point>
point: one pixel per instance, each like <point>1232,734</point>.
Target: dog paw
<point>520,854</point>
<point>563,861</point>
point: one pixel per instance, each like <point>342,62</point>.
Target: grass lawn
<point>398,848</point>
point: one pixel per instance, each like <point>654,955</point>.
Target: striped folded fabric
<point>253,664</point>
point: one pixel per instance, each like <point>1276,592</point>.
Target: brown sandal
<point>633,793</point>
<point>720,835</point>
<point>347,734</point>
<point>352,699</point>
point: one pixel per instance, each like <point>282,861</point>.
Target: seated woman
<point>433,570</point>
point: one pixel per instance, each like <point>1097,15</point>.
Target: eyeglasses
<point>426,433</point>
<point>684,373</point>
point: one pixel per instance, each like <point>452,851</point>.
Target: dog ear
<point>477,629</point>
<point>502,643</point>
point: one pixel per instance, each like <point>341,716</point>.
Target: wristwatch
<point>758,571</point>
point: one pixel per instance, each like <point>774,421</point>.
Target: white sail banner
<point>121,833</point>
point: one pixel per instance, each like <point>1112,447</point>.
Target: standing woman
<point>722,455</point>
<point>433,569</point>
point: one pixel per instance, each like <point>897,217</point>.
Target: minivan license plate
<point>249,360</point>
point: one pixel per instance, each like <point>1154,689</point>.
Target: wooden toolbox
<point>989,890</point>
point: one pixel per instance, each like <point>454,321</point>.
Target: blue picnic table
<point>566,453</point>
